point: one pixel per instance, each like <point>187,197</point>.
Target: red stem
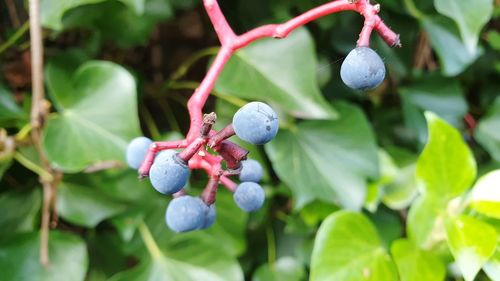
<point>198,157</point>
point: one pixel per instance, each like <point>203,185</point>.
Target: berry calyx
<point>362,69</point>
<point>256,123</point>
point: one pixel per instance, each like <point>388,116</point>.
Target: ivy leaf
<point>472,242</point>
<point>85,205</point>
<point>113,21</point>
<point>415,264</point>
<point>444,38</point>
<point>347,248</point>
<point>488,131</point>
<point>492,267</point>
<point>425,223</point>
<point>437,169</point>
<point>432,93</point>
<point>284,269</point>
<point>53,11</point>
<point>20,260</point>
<point>96,119</point>
<point>281,72</point>
<point>25,217</point>
<point>470,16</point>
<point>485,197</point>
<point>327,160</point>
<point>184,258</point>
<point>9,110</point>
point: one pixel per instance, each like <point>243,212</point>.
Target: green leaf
<point>493,38</point>
<point>446,166</point>
<point>85,205</point>
<point>20,260</point>
<point>97,119</point>
<point>53,11</point>
<point>492,267</point>
<point>327,160</point>
<point>444,38</point>
<point>9,110</point>
<point>472,243</point>
<point>185,259</point>
<point>425,223</point>
<point>403,190</point>
<point>485,197</point>
<point>282,73</point>
<point>470,16</point>
<point>347,248</point>
<point>115,22</point>
<point>24,218</point>
<point>488,131</point>
<point>284,269</point>
<point>432,93</point>
<point>415,264</point>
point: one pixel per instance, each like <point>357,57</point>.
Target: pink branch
<point>200,95</point>
<point>200,130</point>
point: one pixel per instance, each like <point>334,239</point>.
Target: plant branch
<point>39,113</point>
<point>196,139</point>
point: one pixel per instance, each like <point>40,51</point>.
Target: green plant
<point>358,186</point>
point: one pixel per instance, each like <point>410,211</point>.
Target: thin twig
<point>39,114</point>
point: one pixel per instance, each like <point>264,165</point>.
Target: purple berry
<point>256,123</point>
<point>362,69</point>
<point>137,150</point>
<point>251,171</point>
<point>249,196</point>
<point>168,174</point>
<point>185,213</point>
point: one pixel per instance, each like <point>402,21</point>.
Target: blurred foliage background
<point>117,69</point>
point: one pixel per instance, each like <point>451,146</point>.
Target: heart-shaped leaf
<point>27,206</point>
<point>347,247</point>
<point>20,259</point>
<point>281,72</point>
<point>185,258</point>
<point>470,16</point>
<point>97,115</point>
<point>485,197</point>
<point>85,205</point>
<point>284,269</point>
<point>437,169</point>
<point>472,242</point>
<point>488,131</point>
<point>53,11</point>
<point>327,160</point>
<point>452,53</point>
<point>415,264</point>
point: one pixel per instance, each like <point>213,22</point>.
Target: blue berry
<point>362,69</point>
<point>168,174</point>
<point>251,171</point>
<point>137,150</point>
<point>249,196</point>
<point>210,214</point>
<point>256,123</point>
<point>185,213</point>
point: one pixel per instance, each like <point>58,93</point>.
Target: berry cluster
<point>256,123</point>
<point>168,163</point>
